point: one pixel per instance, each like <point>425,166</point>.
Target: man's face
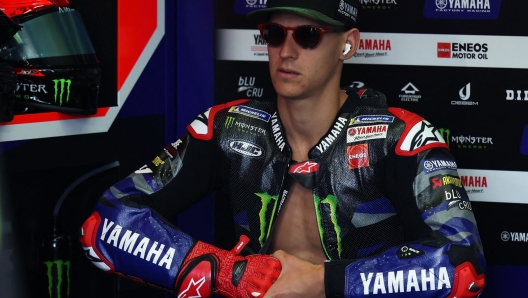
<point>299,73</point>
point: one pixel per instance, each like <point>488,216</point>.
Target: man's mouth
<point>288,71</point>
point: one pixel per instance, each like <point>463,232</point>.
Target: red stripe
<point>52,116</point>
<point>136,22</point>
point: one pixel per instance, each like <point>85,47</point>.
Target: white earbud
<point>347,48</point>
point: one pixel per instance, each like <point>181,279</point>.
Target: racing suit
<point>392,214</point>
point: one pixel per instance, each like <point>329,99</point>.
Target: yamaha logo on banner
<point>246,6</point>
<point>462,9</point>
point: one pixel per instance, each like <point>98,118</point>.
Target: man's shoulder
<point>369,97</point>
<point>225,114</point>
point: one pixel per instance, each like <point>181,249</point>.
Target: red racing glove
<point>208,269</point>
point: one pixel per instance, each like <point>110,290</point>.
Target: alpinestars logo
<point>193,289</point>
<point>464,93</point>
<point>410,93</point>
<point>62,90</point>
<point>62,269</point>
<point>304,168</point>
<point>427,134</point>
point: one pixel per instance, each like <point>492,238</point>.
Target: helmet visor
<point>47,37</point>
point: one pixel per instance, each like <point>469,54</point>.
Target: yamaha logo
<point>441,4</point>
<point>514,236</point>
<point>246,148</point>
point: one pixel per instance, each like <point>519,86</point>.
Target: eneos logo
<point>358,156</point>
<point>457,50</point>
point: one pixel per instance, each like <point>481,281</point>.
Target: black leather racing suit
<point>392,214</point>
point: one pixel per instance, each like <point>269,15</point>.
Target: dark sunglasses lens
<point>307,37</point>
<point>273,35</point>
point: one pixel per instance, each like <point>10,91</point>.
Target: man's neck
<point>307,120</point>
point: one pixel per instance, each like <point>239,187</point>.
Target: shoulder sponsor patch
<point>433,165</point>
<point>369,132</point>
<point>251,112</point>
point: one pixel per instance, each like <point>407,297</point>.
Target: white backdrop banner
<point>398,49</point>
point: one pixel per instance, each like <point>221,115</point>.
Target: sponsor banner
<point>247,6</point>
<point>398,49</point>
<point>495,186</point>
<point>240,45</point>
<point>462,9</point>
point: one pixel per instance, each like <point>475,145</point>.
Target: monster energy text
<point>60,264</point>
<point>60,85</point>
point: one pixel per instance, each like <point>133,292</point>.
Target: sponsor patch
<point>358,156</point>
<point>433,165</point>
<point>439,181</point>
<point>406,252</point>
<point>366,119</point>
<point>420,135</point>
<point>363,133</point>
<point>304,167</point>
<point>250,112</point>
<point>246,148</point>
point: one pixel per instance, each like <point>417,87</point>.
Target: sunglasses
<point>307,37</point>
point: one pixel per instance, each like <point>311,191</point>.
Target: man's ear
<point>352,39</point>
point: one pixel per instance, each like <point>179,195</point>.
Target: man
<point>350,197</point>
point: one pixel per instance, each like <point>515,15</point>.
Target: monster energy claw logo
<point>266,200</point>
<point>445,134</point>
<point>59,90</point>
<point>332,204</point>
<point>229,122</point>
<point>60,264</point>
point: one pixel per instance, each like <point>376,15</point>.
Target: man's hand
<point>298,278</point>
<point>208,269</point>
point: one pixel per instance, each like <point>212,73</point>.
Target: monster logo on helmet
<point>53,57</point>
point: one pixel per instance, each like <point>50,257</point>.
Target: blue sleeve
<point>443,256</point>
<point>128,232</point>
